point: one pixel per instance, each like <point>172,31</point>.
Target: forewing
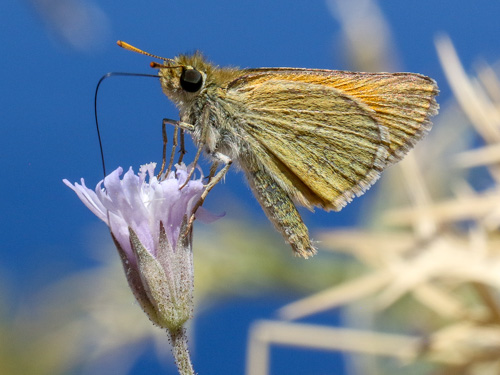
<point>402,102</point>
<point>321,145</point>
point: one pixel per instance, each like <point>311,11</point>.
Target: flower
<point>149,223</point>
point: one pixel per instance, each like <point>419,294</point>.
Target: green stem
<point>180,350</point>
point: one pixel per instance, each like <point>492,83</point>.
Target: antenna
<point>135,49</point>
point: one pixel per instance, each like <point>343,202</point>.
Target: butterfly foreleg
<point>184,126</point>
<point>178,125</point>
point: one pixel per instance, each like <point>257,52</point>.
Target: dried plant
<point>430,256</point>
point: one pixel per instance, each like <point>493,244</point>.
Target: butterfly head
<point>184,78</point>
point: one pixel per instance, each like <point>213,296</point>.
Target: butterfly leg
<point>185,126</point>
<point>213,169</point>
<point>174,147</point>
<point>196,158</point>
<point>221,158</point>
<point>165,142</point>
<point>281,211</point>
<point>182,150</point>
<point>182,126</point>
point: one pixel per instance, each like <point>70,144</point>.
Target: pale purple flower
<point>148,219</point>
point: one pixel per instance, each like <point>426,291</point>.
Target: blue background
<point>47,126</point>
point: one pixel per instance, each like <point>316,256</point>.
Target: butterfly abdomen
<point>281,211</point>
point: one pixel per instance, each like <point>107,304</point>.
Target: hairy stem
<point>180,350</point>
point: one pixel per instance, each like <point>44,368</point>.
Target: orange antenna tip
<point>130,47</point>
<point>135,49</point>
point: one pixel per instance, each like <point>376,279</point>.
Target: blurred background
<point>408,275</point>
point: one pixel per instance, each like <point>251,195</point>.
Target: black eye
<point>191,80</point>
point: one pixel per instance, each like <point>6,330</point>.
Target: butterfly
<point>308,137</point>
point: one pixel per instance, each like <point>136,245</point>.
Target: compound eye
<point>191,80</point>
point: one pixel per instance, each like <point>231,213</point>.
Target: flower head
<point>148,219</point>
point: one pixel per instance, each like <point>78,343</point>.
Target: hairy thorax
<point>215,125</point>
